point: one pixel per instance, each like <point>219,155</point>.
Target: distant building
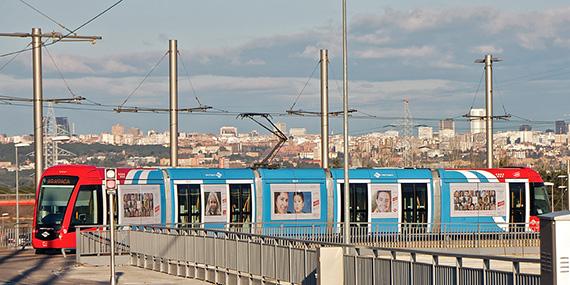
<point>135,132</point>
<point>282,127</point>
<point>525,128</point>
<point>447,128</point>
<point>560,127</point>
<point>447,124</point>
<point>476,120</point>
<point>117,130</point>
<point>228,132</point>
<point>107,138</point>
<point>425,132</point>
<point>63,126</point>
<point>297,131</point>
<point>446,133</point>
<point>392,133</point>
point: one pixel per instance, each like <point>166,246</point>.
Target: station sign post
<point>111,186</point>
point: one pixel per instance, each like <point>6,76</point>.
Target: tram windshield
<point>539,202</point>
<point>53,199</point>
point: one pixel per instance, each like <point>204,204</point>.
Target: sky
<point>262,56</point>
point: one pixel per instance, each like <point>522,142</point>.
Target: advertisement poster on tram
<point>384,201</point>
<point>295,201</point>
<point>139,204</point>
<point>477,199</point>
<point>215,207</point>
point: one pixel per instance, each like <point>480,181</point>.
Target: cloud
<point>115,66</point>
<point>485,49</point>
<point>68,64</point>
<point>376,38</point>
<point>424,54</point>
<point>414,51</point>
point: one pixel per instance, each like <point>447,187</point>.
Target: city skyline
<point>395,51</point>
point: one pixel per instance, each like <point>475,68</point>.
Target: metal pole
<point>38,103</point>
<point>17,198</point>
<point>552,197</point>
<point>173,50</point>
<point>568,181</point>
<point>112,218</point>
<point>324,109</point>
<point>345,128</point>
<point>489,107</point>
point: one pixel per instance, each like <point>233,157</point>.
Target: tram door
<point>414,203</point>
<point>358,203</point>
<point>189,203</point>
<point>517,200</point>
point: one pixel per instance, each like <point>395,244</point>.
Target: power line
<point>60,73</point>
<point>146,76</point>
<point>58,37</point>
<point>13,58</point>
<point>530,76</point>
<point>217,111</point>
<point>478,87</point>
<point>305,86</point>
<point>189,79</point>
<point>45,15</point>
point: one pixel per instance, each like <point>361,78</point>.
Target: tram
<point>72,195</point>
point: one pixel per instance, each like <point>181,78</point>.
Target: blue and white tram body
<point>384,199</point>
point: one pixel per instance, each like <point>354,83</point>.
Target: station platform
<point>26,267</point>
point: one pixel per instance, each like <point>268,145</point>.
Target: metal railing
<point>8,237</point>
<point>395,235</point>
<point>96,240</point>
<point>382,266</point>
<point>230,257</point>
<point>22,197</point>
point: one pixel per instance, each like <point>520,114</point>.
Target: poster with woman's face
<point>214,208</point>
<point>477,199</point>
<point>384,201</point>
<point>295,201</point>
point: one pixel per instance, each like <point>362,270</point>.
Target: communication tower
<point>407,132</point>
<point>56,131</point>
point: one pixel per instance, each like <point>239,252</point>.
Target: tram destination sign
<point>60,180</point>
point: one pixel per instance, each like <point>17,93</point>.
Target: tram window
<point>517,201</point>
<point>517,194</point>
<point>54,197</point>
<point>189,203</point>
<point>240,203</point>
<point>88,206</point>
<point>414,203</point>
<point>358,202</point>
<point>421,196</point>
<point>539,201</point>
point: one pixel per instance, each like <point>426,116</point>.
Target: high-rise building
<point>446,128</point>
<point>136,132</point>
<point>560,127</point>
<point>447,124</point>
<point>117,130</point>
<point>477,121</point>
<point>425,132</point>
<point>525,128</point>
<point>63,126</point>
